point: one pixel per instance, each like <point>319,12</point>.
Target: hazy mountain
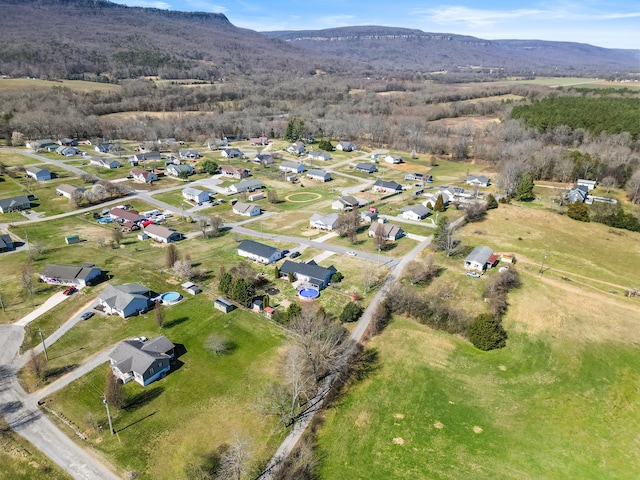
<point>397,49</point>
<point>96,38</point>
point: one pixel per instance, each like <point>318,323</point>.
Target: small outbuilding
<point>223,305</point>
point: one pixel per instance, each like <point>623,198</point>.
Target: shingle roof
<point>390,185</point>
<point>119,296</point>
<point>480,255</point>
<point>311,269</point>
<point>159,230</point>
<point>68,272</point>
<point>243,207</point>
<point>256,248</point>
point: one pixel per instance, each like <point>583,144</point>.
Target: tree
<point>486,333</point>
<point>491,202</point>
<point>116,235</point>
<point>439,205</point>
<point>444,238</point>
<point>633,187</point>
<point>417,272</point>
<point>524,192</point>
<point>475,211</point>
<point>325,145</point>
<point>348,223</point>
<point>272,196</point>
<point>171,256</point>
<point>290,277</point>
<point>217,344</point>
<point>77,196</point>
<point>242,292</point>
<point>295,129</point>
<point>216,224</point>
<point>203,224</point>
<point>114,391</point>
<point>276,272</point>
<point>209,166</point>
<point>578,211</point>
<point>184,269</point>
<point>225,283</point>
<point>26,278</point>
<point>17,139</point>
<point>36,365</point>
<point>351,312</point>
<point>380,236</point>
<point>609,182</point>
<point>158,314</point>
<point>265,301</point>
<point>234,462</point>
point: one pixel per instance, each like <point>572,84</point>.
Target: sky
<point>605,23</point>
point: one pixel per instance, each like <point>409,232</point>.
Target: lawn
<point>81,85</point>
<point>556,403</point>
<point>205,397</point>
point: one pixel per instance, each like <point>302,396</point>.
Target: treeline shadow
<point>143,398</point>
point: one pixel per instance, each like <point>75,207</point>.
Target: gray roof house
<point>235,172</point>
<point>38,144</point>
<point>124,300</point>
<point>391,232</point>
<point>346,146</point>
<point>323,156</point>
<point>76,275</point>
<point>297,148</point>
<point>319,175</point>
<point>590,184</point>
<point>345,202</point>
<point>39,174</point>
<point>162,234</point>
<point>195,195</point>
<point>67,190</point>
<point>383,186</point>
<point>6,243</point>
<point>294,167</point>
<point>245,186</point>
<point>479,180</point>
<point>176,170</point>
<point>13,204</point>
<point>105,162</point>
<point>232,153</point>
<point>143,362</point>
<point>415,212</point>
<point>324,222</point>
<point>263,159</point>
<point>246,209</point>
<point>258,252</point>
<point>480,258</point>
<point>310,273</point>
<point>366,168</point>
<point>189,154</point>
<point>579,194</point>
<point>67,151</point>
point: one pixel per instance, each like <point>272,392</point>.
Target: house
<point>480,259</point>
<point>246,209</point>
<point>76,275</point>
<point>125,300</point>
<point>345,202</point>
<point>319,175</point>
<point>415,177</point>
<point>256,196</point>
<point>232,153</point>
<point>369,216</point>
<point>191,288</point>
<point>68,142</point>
<point>68,190</point>
<point>293,167</point>
<point>480,181</point>
<point>195,195</point>
<point>322,156</point>
<point>39,144</point>
<point>189,154</point>
<point>162,234</point>
<point>268,311</point>
<point>393,159</point>
<point>415,212</point>
<point>103,148</point>
<point>104,162</point>
<point>310,273</point>
<point>258,252</point>
<point>223,305</point>
<point>579,193</point>
<point>391,232</point>
<point>245,186</point>
<point>143,176</point>
<point>346,147</point>
<point>263,159</point>
<point>376,157</point>
<point>259,141</point>
<point>324,222</point>
<point>67,151</point>
<point>590,184</point>
<point>366,168</point>
<point>122,216</point>
<point>13,204</point>
<point>235,172</point>
<point>6,243</point>
<point>383,186</point>
<point>38,174</point>
<point>147,157</point>
<point>297,148</point>
<point>178,170</point>
<point>143,362</point>
<point>508,258</point>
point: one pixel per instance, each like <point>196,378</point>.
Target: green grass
<point>81,85</point>
<point>22,461</point>
<point>209,397</point>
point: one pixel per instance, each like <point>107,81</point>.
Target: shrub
<point>486,333</point>
<point>351,312</point>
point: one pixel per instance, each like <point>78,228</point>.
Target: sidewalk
<point>52,301</point>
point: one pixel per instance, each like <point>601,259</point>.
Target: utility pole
<point>2,304</point>
<point>542,264</point>
<point>106,405</point>
<point>46,355</point>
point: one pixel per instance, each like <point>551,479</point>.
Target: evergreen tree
<point>224,286</point>
<point>491,202</point>
<point>325,145</point>
<point>439,205</point>
<point>486,333</point>
<point>242,292</point>
<point>351,312</point>
<point>293,311</point>
<point>209,166</point>
<point>265,301</point>
<point>524,192</point>
<point>276,272</point>
<point>578,211</point>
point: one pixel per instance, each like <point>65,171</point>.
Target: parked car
<point>284,253</point>
<point>294,254</point>
<point>473,274</point>
<point>86,315</point>
<point>69,291</point>
<point>351,253</point>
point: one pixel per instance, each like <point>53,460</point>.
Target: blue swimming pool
<point>170,298</point>
<point>308,293</point>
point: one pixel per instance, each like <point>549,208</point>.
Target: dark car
<point>294,255</point>
<point>69,291</point>
<point>284,253</point>
<point>86,315</point>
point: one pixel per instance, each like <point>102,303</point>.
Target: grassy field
<point>29,83</point>
<point>199,406</point>
<point>556,403</point>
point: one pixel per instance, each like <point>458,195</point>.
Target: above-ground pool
<point>309,293</point>
<point>170,298</point>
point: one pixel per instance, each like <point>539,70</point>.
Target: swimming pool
<point>309,293</point>
<point>170,298</point>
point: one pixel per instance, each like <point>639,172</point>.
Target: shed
<point>71,239</point>
<point>223,305</point>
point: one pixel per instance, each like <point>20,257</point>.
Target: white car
<point>351,253</point>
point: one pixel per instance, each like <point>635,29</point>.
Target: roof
<point>119,296</point>
<point>192,191</point>
<point>135,356</point>
<point>293,165</point>
<point>131,215</point>
<point>159,344</point>
<point>230,169</point>
<point>257,248</point>
<point>66,188</point>
<point>36,170</point>
<point>243,207</point>
<point>311,270</point>
<point>481,255</point>
<point>329,219</point>
<point>5,241</point>
<point>419,210</point>
<point>224,301</point>
<point>389,185</point>
<point>68,272</point>
<point>389,229</point>
<point>479,178</point>
<point>318,173</point>
<point>369,167</point>
<point>6,203</point>
<point>181,168</point>
<point>247,184</point>
<point>159,230</point>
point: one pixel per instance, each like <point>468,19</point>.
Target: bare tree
<point>203,227</point>
<point>380,236</point>
<point>171,256</point>
<point>26,278</point>
<point>184,269</point>
<point>117,235</point>
<point>417,272</point>
<point>234,463</point>
<point>272,196</point>
<point>633,187</point>
<point>609,182</point>
<point>158,314</point>
<point>510,172</point>
<point>216,225</point>
<point>36,365</point>
<point>348,223</point>
<point>77,196</point>
<point>217,344</point>
<point>113,391</point>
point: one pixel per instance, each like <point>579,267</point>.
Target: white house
<point>298,148</point>
<point>68,190</point>
<point>322,156</point>
<point>346,146</point>
<point>232,153</point>
<point>143,362</point>
<point>246,209</point>
<point>234,172</point>
<point>76,275</point>
<point>177,170</point>
<point>292,167</point>
<point>38,174</point>
<point>162,234</point>
<point>263,159</point>
<point>124,300</point>
<point>189,154</point>
<point>590,184</point>
<point>390,232</point>
<point>195,195</point>
<point>480,259</point>
<point>104,162</point>
<point>323,222</point>
<point>393,159</point>
<point>383,186</point>
<point>478,180</point>
<point>259,141</point>
<point>244,186</point>
<point>319,175</point>
<point>143,176</point>
<point>345,202</point>
<point>258,252</point>
<point>415,212</point>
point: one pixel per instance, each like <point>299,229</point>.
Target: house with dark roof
<point>391,232</point>
<point>578,193</point>
<point>478,180</point>
<point>14,204</point>
<point>125,300</point>
<point>38,174</point>
<point>480,259</point>
<point>234,172</point>
<point>143,176</point>
<point>258,252</point>
<point>146,157</point>
<point>162,234</point>
<point>121,215</point>
<point>68,142</point>
<point>297,147</point>
<point>246,209</point>
<point>6,243</point>
<point>384,186</point>
<point>319,175</point>
<point>223,305</point>
<point>67,151</point>
<point>310,273</point>
<point>263,159</point>
<point>177,170</point>
<point>76,275</point>
<point>345,202</point>
<point>324,222</point>
<point>293,167</point>
<point>415,212</point>
<point>143,362</point>
<point>346,146</point>
<point>38,144</point>
<point>189,154</point>
<point>416,177</point>
<point>245,186</point>
<point>366,168</point>
<point>232,153</point>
